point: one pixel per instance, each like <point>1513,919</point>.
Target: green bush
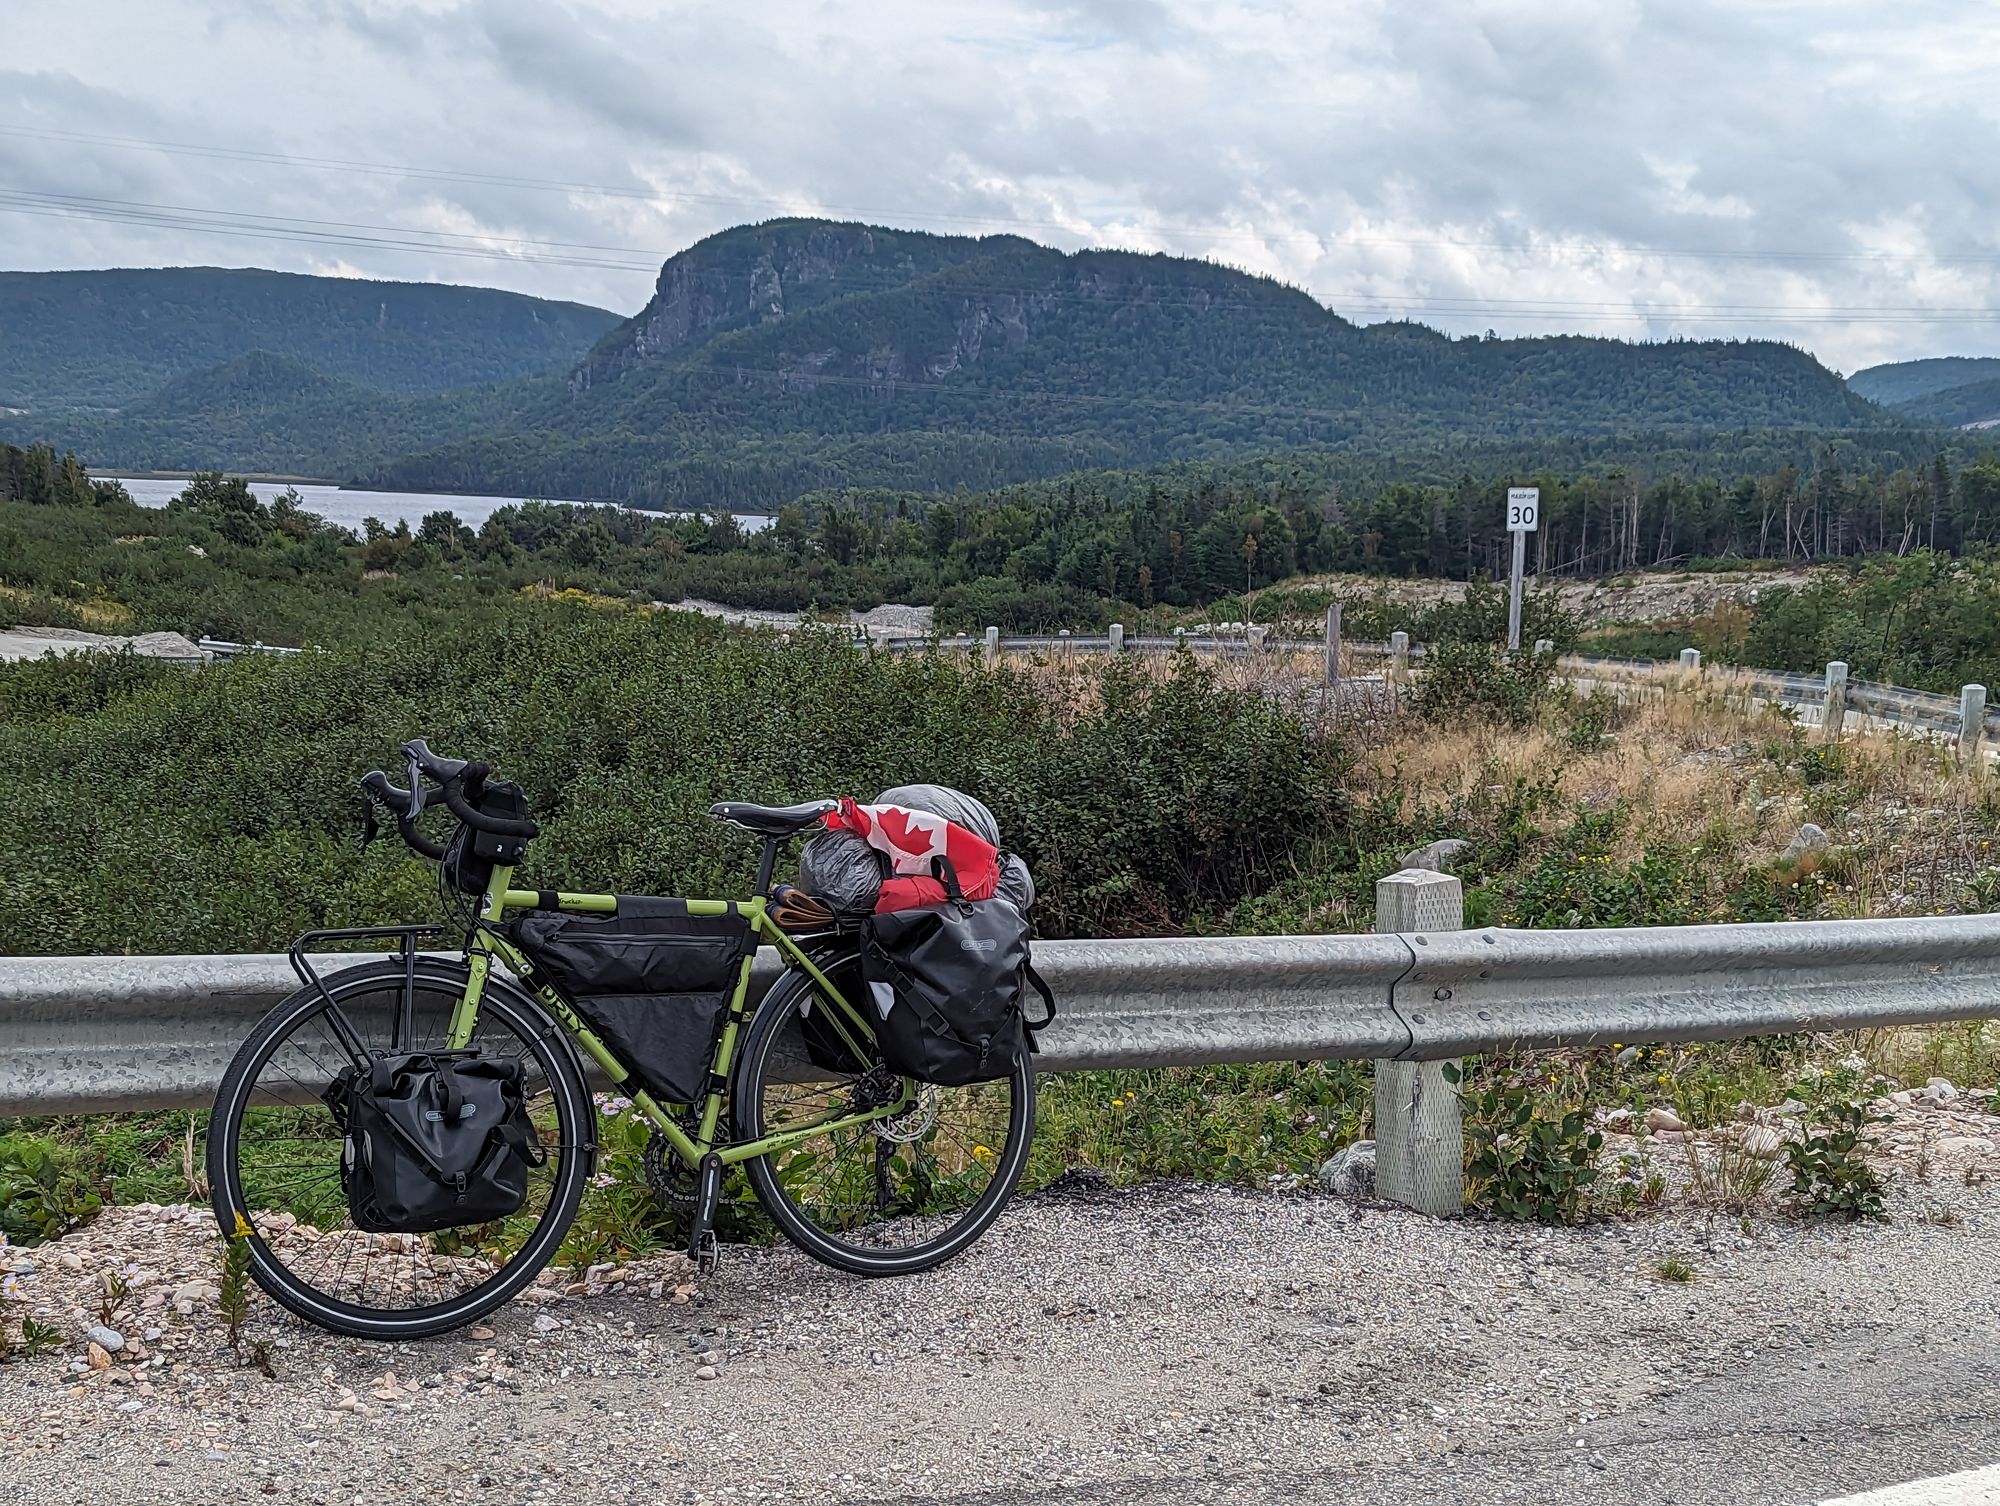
<point>1531,1144</point>
<point>217,810</point>
<point>42,1192</point>
<point>1465,675</point>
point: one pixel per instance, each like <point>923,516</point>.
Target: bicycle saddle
<point>771,820</point>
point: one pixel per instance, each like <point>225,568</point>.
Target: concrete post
<point>1971,724</point>
<point>1332,648</point>
<point>1255,635</point>
<point>1690,658</point>
<point>1834,719</point>
<point>1544,646</point>
<point>1419,1132</point>
<point>1117,636</point>
<point>1063,634</point>
<point>992,648</point>
<point>1399,655</point>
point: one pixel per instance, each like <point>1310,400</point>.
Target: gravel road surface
<point>1163,1345</point>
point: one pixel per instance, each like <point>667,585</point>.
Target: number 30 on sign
<point>1524,505</point>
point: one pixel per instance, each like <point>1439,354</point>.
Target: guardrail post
<point>1971,723</point>
<point>1063,635</point>
<point>1332,647</point>
<point>1419,1133</point>
<point>1117,636</point>
<point>1690,658</point>
<point>992,649</point>
<point>1544,646</point>
<point>1833,719</point>
<point>1399,655</point>
<point>1254,635</point>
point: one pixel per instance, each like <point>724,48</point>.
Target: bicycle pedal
<point>701,1222</point>
<point>707,1254</point>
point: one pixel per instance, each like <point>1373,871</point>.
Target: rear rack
<point>350,1038</point>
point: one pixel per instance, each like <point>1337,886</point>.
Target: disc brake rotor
<point>914,1122</point>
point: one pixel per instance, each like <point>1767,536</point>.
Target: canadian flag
<point>912,840</point>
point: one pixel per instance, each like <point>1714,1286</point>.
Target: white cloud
<point>1807,169</point>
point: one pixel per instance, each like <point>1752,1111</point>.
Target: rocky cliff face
<point>747,278</point>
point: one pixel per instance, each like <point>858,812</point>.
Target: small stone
<point>109,1339</point>
<point>1598,1461</point>
<point>1659,1119</point>
<point>1262,1388</point>
<point>546,1323</point>
<point>710,1357</point>
<point>1966,1144</point>
<point>69,1260</point>
<point>196,1291</point>
<point>1940,1090</point>
<point>707,1372</point>
<point>1762,1142</point>
<point>1438,856</point>
<point>99,1358</point>
<point>1350,1172</point>
<point>131,1406</point>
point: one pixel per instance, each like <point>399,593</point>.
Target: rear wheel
<point>274,1158</point>
<point>886,1198</point>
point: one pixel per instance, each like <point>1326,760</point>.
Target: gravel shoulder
<point>1165,1344</point>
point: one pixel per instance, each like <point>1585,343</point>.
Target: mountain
<point>105,339</point>
<point>1902,382</point>
<point>267,413</point>
<point>796,354</point>
<point>779,358</point>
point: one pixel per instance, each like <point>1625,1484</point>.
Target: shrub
<point>1531,1145</point>
<point>1467,675</point>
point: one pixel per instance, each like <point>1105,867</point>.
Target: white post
<point>1690,658</point>
<point>1544,646</point>
<point>1419,1128</point>
<point>992,650</point>
<point>1971,724</point>
<point>1117,636</point>
<point>1514,590</point>
<point>1255,634</point>
<point>1834,719</point>
<point>1399,655</point>
<point>1063,634</point>
<point>1332,648</point>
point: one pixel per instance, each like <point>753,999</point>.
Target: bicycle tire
<point>780,1008</point>
<point>557,1059</point>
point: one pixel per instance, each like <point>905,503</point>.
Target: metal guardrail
<point>83,1034</point>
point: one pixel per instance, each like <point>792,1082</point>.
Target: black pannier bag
<point>946,982</point>
<point>652,981</point>
<point>469,857</point>
<point>434,1140</point>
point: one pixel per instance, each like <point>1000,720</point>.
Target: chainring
<point>669,1178</point>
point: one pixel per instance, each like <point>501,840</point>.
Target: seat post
<point>767,864</point>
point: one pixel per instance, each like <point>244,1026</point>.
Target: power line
<point>816,207</point>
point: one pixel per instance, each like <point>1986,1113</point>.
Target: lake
<point>347,506</point>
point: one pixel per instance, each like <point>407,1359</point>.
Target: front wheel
<point>274,1157</point>
<point>892,1196</point>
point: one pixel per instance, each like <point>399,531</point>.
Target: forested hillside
<point>800,355</point>
<point>104,339</point>
<point>1901,382</point>
<point>1973,403</point>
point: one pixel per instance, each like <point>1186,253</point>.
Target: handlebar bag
<point>652,981</point>
<point>469,857</point>
<point>433,1140</point>
<point>947,983</point>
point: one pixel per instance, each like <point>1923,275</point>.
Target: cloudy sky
<point>1811,170</point>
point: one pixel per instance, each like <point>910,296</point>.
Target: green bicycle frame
<point>488,945</point>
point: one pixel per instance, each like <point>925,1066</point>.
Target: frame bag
<point>652,982</point>
<point>947,983</point>
<point>434,1140</point>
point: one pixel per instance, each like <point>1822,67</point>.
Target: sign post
<point>1524,506</point>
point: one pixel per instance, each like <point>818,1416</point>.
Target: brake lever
<point>416,788</point>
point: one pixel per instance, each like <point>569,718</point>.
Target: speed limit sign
<point>1524,506</point>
